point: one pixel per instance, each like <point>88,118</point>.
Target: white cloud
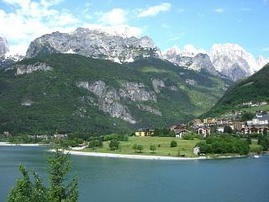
<point>155,10</point>
<point>116,16</point>
<point>219,10</point>
<point>123,30</point>
<point>26,20</point>
<point>29,19</point>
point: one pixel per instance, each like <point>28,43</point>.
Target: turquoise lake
<point>128,180</point>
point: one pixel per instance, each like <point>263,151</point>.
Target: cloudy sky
<point>168,22</point>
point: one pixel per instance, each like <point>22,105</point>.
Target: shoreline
<point>150,157</point>
<point>19,144</point>
<point>131,156</point>
<point>77,151</point>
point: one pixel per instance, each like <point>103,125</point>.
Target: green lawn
<point>184,147</point>
<point>255,109</point>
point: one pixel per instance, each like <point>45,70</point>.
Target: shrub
<point>173,143</point>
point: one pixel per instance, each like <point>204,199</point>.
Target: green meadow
<point>162,145</point>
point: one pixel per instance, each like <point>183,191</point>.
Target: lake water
<point>128,180</point>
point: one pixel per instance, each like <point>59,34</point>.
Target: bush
<point>173,143</point>
<point>96,143</point>
<point>114,144</point>
<point>188,136</point>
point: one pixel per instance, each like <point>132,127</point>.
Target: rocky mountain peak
<point>3,47</point>
<point>191,58</point>
<point>7,58</point>
<point>94,43</point>
<point>230,60</point>
<point>233,61</point>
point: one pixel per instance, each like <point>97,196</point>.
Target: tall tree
<point>59,167</point>
<point>26,190</point>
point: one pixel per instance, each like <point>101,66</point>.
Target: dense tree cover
<point>263,140</point>
<point>58,104</point>
<point>163,132</point>
<point>95,142</point>
<point>223,144</point>
<point>119,137</point>
<point>28,189</point>
<point>247,116</point>
<point>189,136</point>
<point>227,129</point>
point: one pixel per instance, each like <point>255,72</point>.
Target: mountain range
<point>92,82</point>
<point>229,60</point>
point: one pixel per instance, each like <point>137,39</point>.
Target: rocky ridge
<point>95,44</point>
<point>229,60</point>
<point>112,101</point>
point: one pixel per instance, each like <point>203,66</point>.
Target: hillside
<point>69,93</point>
<point>253,89</point>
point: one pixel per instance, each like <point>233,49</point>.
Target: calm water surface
<point>127,180</point>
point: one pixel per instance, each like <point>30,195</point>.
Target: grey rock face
<point>108,100</point>
<point>149,109</point>
<point>228,60</point>
<point>157,85</point>
<point>198,62</point>
<point>235,69</point>
<point>202,61</point>
<point>136,92</point>
<point>3,47</point>
<point>111,100</point>
<point>94,43</point>
<point>27,69</point>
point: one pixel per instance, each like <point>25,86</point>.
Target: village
<point>257,125</point>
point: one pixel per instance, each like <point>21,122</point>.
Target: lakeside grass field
<point>162,144</point>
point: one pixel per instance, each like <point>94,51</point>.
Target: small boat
<point>256,156</point>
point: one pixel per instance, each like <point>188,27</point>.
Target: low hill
<point>69,93</point>
<point>253,89</point>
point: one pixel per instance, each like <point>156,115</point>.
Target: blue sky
<point>168,23</point>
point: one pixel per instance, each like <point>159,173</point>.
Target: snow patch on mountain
<point>230,60</point>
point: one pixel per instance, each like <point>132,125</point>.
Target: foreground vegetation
<point>28,189</point>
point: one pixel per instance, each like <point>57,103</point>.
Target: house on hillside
<point>237,126</point>
<point>253,129</point>
<point>203,131</point>
<point>179,130</point>
<point>210,121</point>
<point>197,122</point>
<point>196,150</point>
<point>144,132</point>
<point>6,134</point>
<point>260,119</point>
<point>60,136</point>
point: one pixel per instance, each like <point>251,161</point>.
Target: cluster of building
<point>205,127</point>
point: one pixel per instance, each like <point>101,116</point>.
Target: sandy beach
<point>12,144</point>
<point>130,156</point>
